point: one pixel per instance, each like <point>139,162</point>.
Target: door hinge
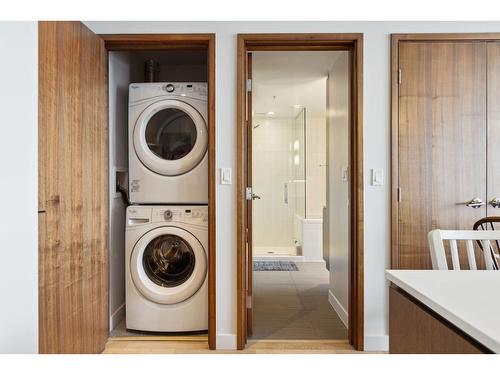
<point>399,76</point>
<point>399,194</point>
<point>249,302</point>
<point>249,85</point>
<point>246,235</point>
<point>248,193</point>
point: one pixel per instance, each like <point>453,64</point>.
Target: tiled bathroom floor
<point>294,305</point>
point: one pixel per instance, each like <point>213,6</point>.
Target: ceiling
<point>283,81</point>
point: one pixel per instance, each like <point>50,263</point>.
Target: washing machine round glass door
<point>168,265</point>
<point>170,137</point>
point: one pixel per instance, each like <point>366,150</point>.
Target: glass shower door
<point>296,194</point>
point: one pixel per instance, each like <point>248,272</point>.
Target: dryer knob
<point>169,88</point>
<point>168,215</point>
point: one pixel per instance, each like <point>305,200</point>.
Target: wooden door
<point>441,142</point>
<point>493,195</point>
<point>73,200</point>
<point>249,255</point>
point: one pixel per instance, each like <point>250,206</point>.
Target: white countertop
<point>470,300</point>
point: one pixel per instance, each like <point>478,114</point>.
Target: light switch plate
<point>345,174</point>
<point>225,176</point>
<point>377,176</point>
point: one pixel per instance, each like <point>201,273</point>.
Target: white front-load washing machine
<point>168,140</point>
<point>166,268</point>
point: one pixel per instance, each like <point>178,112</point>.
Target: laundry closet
<point>88,206</point>
<point>158,164</point>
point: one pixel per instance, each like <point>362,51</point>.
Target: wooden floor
<point>200,346</point>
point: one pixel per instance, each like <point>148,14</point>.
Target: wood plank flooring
<point>182,346</point>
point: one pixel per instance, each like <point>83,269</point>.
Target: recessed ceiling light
<point>298,106</point>
<point>270,113</point>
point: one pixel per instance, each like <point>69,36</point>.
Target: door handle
<point>474,203</point>
<point>495,202</point>
<point>255,196</point>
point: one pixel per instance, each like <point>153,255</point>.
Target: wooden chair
<point>437,240</point>
<point>490,223</point>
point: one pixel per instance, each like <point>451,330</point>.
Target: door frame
<point>396,39</point>
<point>307,42</point>
<point>158,42</point>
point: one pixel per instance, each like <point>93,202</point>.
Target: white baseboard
<point>339,309</point>
<point>226,341</point>
<point>116,317</point>
<point>378,343</point>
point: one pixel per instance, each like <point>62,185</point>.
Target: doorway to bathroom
<point>289,153</point>
<point>299,188</point>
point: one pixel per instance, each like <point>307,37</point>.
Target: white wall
<point>376,115</point>
<point>316,159</point>
<point>338,188</point>
<point>120,74</point>
<point>18,187</point>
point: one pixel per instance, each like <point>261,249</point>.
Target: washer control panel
<point>138,215</point>
<point>168,215</point>
<point>143,215</point>
<point>183,214</point>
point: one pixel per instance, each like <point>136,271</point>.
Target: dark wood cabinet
<point>416,329</point>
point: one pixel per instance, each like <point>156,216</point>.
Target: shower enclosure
<point>279,178</point>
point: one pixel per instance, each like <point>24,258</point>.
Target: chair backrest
<point>438,237</point>
<point>489,223</point>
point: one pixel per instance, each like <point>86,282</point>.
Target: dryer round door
<point>168,265</point>
<point>170,137</point>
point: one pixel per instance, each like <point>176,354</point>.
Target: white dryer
<point>168,140</point>
<point>166,268</point>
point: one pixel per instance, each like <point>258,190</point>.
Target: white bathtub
<point>312,237</point>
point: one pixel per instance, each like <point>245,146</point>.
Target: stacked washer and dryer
<point>167,222</point>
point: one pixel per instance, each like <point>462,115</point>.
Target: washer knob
<point>169,88</point>
<point>168,215</point>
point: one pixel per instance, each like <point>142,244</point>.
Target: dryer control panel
<point>145,91</point>
<point>187,89</point>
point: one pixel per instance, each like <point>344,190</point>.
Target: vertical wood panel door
<point>249,254</point>
<point>493,195</point>
<point>442,142</point>
<point>73,248</point>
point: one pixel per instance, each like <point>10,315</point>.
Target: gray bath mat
<point>274,265</point>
